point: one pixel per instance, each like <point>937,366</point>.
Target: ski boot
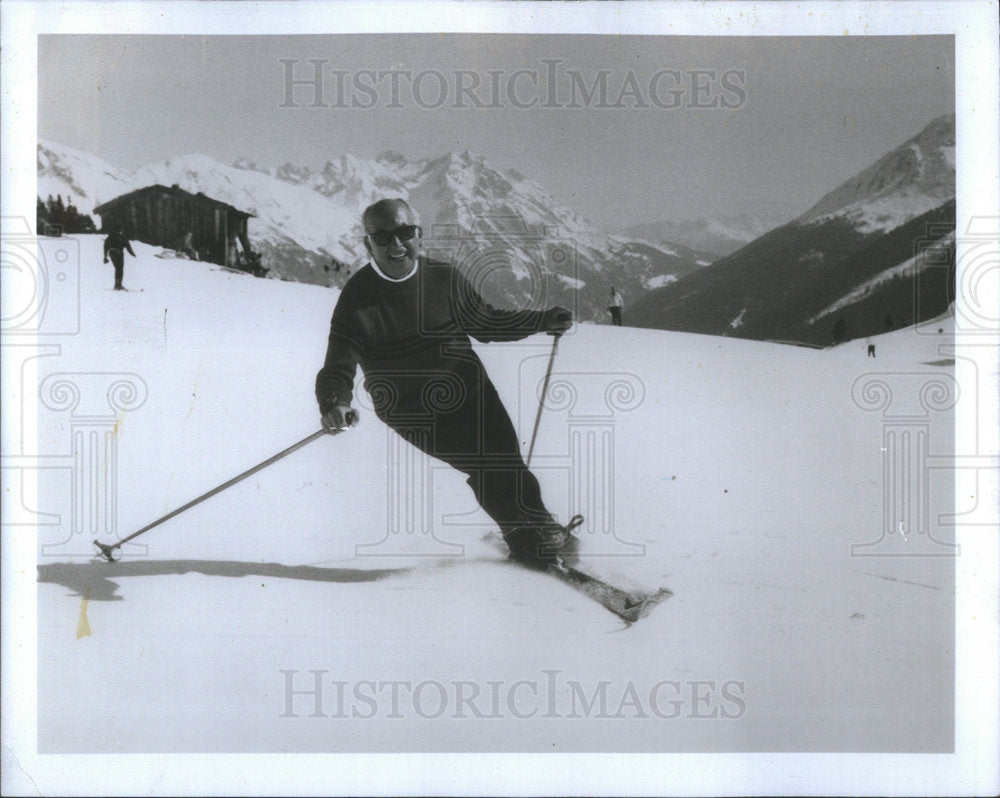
<point>544,544</point>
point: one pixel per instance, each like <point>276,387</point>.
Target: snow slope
<point>744,470</point>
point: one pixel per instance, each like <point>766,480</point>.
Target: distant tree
<point>41,217</point>
<point>53,215</point>
<point>77,222</point>
<point>839,332</point>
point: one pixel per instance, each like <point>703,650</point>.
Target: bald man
<point>407,321</point>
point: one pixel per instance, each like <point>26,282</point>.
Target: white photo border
<point>972,769</point>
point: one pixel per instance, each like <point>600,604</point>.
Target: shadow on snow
<point>95,580</point>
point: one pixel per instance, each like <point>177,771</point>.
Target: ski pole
<point>541,403</point>
<point>106,550</point>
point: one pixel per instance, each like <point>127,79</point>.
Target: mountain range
<point>522,246</point>
<point>865,257</point>
<point>876,253</point>
<point>719,236</point>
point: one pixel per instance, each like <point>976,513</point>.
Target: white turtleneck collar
<point>385,276</point>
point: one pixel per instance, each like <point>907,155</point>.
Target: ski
<point>629,606</point>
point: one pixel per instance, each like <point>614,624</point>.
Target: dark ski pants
<point>616,315</point>
<point>472,432</point>
<point>118,259</point>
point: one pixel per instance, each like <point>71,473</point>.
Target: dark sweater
<point>405,334</point>
<point>117,243</point>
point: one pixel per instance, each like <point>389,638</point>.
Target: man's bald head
<point>390,211</point>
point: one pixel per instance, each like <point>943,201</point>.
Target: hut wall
<point>162,218</point>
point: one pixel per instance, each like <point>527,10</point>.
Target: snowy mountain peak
<point>194,173</point>
<point>470,157</point>
<point>458,162</point>
<point>292,173</point>
<point>243,162</point>
<point>348,164</point>
<point>391,158</point>
<point>304,218</point>
<point>193,162</point>
<point>84,179</point>
<point>912,179</point>
<point>719,236</point>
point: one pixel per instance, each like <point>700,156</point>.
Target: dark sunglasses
<point>403,233</point>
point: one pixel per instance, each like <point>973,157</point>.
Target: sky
<point>688,127</point>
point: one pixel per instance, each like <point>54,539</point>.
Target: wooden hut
<point>163,216</point>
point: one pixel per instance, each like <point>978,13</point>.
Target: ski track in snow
<point>742,475</point>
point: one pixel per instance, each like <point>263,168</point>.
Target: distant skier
<point>616,306</point>
<point>407,320</point>
<point>115,246</point>
<point>871,348</point>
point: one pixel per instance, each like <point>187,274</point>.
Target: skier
<point>616,307</point>
<point>187,246</point>
<point>871,347</point>
<point>407,320</point>
<point>115,246</point>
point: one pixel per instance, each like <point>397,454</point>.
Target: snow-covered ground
<point>745,476</point>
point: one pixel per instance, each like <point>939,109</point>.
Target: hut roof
<point>176,191</point>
